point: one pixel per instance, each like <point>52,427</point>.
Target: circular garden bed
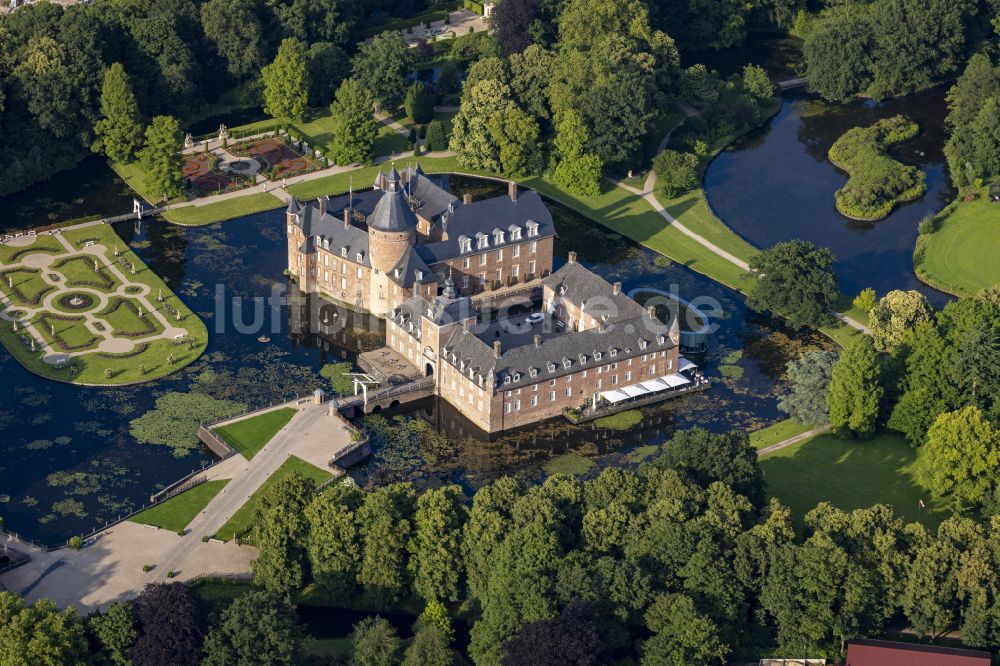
<point>75,301</point>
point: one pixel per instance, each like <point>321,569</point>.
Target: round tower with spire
<point>392,229</point>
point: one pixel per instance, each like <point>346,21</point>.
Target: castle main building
<point>375,249</point>
<point>412,253</point>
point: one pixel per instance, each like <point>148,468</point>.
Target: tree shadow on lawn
<point>850,474</point>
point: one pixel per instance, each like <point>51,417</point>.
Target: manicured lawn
<point>961,256</point>
<point>175,513</point>
<point>10,254</point>
<point>388,141</point>
<point>777,432</point>
<point>24,286</point>
<point>250,435</point>
<point>318,130</point>
<point>79,272</point>
<point>134,176</point>
<point>68,332</point>
<point>244,516</point>
<point>223,210</point>
<point>127,368</point>
<point>123,316</point>
<point>850,474</point>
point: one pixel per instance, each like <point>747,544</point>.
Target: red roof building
<point>889,653</point>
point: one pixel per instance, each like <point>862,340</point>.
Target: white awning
<point>634,391</point>
<point>654,385</point>
<point>614,396</point>
<point>675,380</point>
<point>684,364</point>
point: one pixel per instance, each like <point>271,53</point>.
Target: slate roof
<point>404,273</point>
<point>429,199</point>
<point>331,234</point>
<point>592,293</point>
<point>892,653</point>
<point>623,338</point>
<point>392,212</point>
<point>483,217</point>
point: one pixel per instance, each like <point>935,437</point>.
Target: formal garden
<point>79,306</point>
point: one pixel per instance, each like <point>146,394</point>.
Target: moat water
<point>777,184</point>
<point>68,462</point>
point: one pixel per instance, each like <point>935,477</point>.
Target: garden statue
<point>160,296</point>
<point>178,315</point>
<point>52,330</point>
<point>96,269</point>
<point>223,132</point>
<point>142,368</point>
<point>15,326</point>
<point>188,140</point>
<point>116,251</point>
<point>171,360</point>
<point>108,373</point>
<point>10,282</point>
<point>32,344</point>
<point>140,312</point>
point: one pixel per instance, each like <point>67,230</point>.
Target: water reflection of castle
<point>332,327</point>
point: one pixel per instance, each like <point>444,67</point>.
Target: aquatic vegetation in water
<point>731,371</point>
<point>621,421</point>
<point>29,501</point>
<point>569,463</point>
<point>63,440</point>
<point>175,420</point>
<point>38,445</point>
<point>69,507</point>
<point>641,453</point>
<point>77,483</point>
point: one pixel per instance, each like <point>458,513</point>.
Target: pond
<point>68,461</point>
<point>777,184</point>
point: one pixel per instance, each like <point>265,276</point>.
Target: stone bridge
<point>383,398</point>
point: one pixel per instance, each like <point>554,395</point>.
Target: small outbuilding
<point>891,653</point>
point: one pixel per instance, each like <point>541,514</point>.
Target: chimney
<point>512,190</point>
<point>616,288</point>
<point>323,201</point>
<point>538,341</point>
<point>572,257</point>
<point>496,348</point>
<point>347,218</point>
<point>466,198</point>
<point>382,180</point>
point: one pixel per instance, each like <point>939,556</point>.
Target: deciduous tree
<point>681,635</point>
<point>380,66</point>
<point>286,81</point>
<point>517,135</point>
<point>471,137</point>
<point>676,172</point>
<point>896,313</point>
<point>795,279</point>
<point>510,24</point>
<point>576,169</point>
<point>119,131</point>
<point>419,103</point>
<point>353,126</point>
<point>959,460</point>
<point>375,643</point>
<point>40,634</point>
<point>856,389</point>
<point>114,633</point>
<point>234,29</point>
<point>435,547</point>
<point>569,639</point>
<point>170,626</point>
<point>162,159</point>
<point>280,531</point>
<point>258,628</point>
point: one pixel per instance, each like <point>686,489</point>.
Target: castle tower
<point>296,233</point>
<point>392,229</point>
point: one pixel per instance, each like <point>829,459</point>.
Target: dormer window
<point>360,257</point>
<point>482,241</point>
<point>642,344</point>
<point>660,339</point>
<point>506,379</point>
<point>583,359</point>
<point>497,237</point>
<point>343,251</point>
<point>614,352</point>
<point>566,363</point>
<point>461,365</point>
<point>532,372</point>
<point>552,366</point>
<point>532,228</point>
<point>515,232</point>
<point>597,356</point>
<point>419,276</point>
<point>464,244</point>
<point>517,376</point>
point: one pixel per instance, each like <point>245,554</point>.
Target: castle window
<point>419,276</point>
<point>497,236</point>
<point>566,363</point>
<point>506,379</point>
<point>466,262</point>
<point>464,244</point>
<point>359,257</point>
<point>552,366</point>
<point>343,251</point>
<point>482,240</point>
<point>614,352</point>
<point>517,376</point>
<point>642,345</point>
<point>532,228</point>
<point>660,339</point>
<point>532,372</point>
<point>515,232</point>
<point>597,356</point>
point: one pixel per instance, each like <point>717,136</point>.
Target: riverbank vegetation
<point>876,183</point>
<point>855,47</point>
